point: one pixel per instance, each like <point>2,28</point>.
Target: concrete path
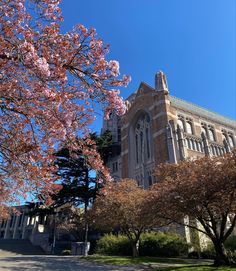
<point>57,263</point>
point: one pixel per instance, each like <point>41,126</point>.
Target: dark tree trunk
<point>221,255</point>
<point>135,248</point>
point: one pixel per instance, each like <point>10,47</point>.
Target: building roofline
<point>136,91</point>
<point>203,112</point>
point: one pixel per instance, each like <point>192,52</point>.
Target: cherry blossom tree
<point>205,191</point>
<point>49,82</point>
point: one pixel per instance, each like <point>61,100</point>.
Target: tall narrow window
<point>231,141</point>
<point>141,145</point>
<point>180,122</point>
<point>189,128</point>
<point>136,146</point>
<point>149,180</point>
<point>204,131</point>
<point>188,143</point>
<point>211,134</point>
<point>142,139</point>
<point>147,142</point>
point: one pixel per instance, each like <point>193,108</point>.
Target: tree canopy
<point>205,190</point>
<point>122,206</point>
<point>49,81</point>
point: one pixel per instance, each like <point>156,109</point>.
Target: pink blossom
<point>114,66</point>
<point>40,108</point>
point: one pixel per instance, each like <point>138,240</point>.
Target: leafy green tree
<point>104,144</point>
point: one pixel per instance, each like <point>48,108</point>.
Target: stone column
<point>206,145</point>
<point>6,235</point>
<point>15,231</point>
<point>34,230</point>
<point>24,226</point>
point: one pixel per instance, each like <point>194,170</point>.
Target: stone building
<point>22,225</point>
<point>40,228</point>
<point>158,127</point>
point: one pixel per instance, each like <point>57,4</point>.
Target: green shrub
<point>151,244</point>
<point>230,243</point>
<point>66,252</point>
<point>111,244</point>
<point>162,244</point>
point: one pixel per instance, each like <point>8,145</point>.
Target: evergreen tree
<point>78,187</point>
<point>104,144</point>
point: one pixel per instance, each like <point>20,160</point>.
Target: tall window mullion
<point>141,145</point>
<point>137,148</point>
<point>147,142</point>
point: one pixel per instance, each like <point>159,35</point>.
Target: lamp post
<point>86,203</point>
<point>54,234</point>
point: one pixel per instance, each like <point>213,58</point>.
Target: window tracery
<point>211,134</point>
<point>231,141</point>
<point>142,139</point>
<point>180,122</point>
<point>189,128</point>
<point>228,137</point>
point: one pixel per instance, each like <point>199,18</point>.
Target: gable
<point>144,89</point>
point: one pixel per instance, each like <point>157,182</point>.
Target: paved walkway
<point>57,263</point>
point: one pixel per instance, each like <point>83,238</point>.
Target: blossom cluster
<point>33,61</point>
<point>49,83</point>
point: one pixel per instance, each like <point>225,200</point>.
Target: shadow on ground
<point>53,263</point>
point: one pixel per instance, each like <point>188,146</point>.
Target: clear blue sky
<point>192,41</point>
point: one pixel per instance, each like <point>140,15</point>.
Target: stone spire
<point>161,82</point>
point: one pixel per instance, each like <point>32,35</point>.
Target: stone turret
<point>161,82</point>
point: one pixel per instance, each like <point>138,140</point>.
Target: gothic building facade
<point>158,127</point>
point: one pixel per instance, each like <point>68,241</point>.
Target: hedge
<point>151,244</point>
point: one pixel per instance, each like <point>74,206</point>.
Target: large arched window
<point>231,141</point>
<point>211,134</point>
<point>142,139</point>
<point>189,128</point>
<point>204,130</point>
<point>180,122</point>
<point>224,136</point>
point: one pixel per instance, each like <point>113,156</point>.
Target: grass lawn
<point>130,260</point>
<point>158,264</point>
<point>198,268</point>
